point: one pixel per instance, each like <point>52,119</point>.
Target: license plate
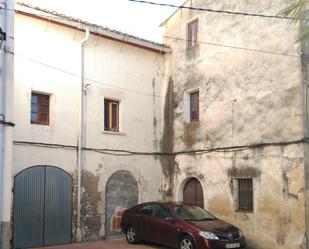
<point>234,245</point>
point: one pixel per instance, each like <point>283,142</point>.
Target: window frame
<point>108,124</point>
<point>196,119</point>
<point>39,108</point>
<point>192,37</point>
<point>187,105</point>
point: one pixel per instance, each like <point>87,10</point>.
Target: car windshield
<point>193,213</point>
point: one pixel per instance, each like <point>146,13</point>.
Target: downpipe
<point>81,137</point>
<point>6,133</point>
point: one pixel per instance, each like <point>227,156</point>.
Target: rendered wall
<point>50,62</point>
<point>248,73</point>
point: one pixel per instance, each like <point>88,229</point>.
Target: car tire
<point>131,235</point>
<point>186,242</point>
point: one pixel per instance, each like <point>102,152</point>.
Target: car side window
<point>146,210</point>
<point>162,212</point>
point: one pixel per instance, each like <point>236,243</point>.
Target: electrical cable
<point>117,152</point>
<point>182,39</point>
<point>231,46</point>
<point>87,79</point>
<point>212,10</point>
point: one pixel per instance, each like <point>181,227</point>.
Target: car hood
<point>215,226</point>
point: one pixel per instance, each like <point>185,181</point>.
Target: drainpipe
<point>81,137</point>
<point>6,125</point>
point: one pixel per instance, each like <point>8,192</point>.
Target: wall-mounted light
<point>2,38</point>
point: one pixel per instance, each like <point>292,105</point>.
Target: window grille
<point>245,194</point>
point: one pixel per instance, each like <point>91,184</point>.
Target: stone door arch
<point>193,192</point>
<point>121,192</point>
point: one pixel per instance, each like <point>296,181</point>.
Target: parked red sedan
<point>179,225</point>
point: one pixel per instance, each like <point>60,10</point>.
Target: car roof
<point>165,203</point>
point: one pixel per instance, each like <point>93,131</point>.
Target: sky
<point>137,19</point>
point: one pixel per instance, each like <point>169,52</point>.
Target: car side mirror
<point>169,218</point>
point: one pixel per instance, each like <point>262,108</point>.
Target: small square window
<point>111,115</point>
<point>39,109</point>
<point>194,106</point>
<point>244,194</point>
<point>192,34</point>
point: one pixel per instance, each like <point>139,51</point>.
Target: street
<point>110,244</point>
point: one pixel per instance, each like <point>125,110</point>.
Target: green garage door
<point>42,212</point>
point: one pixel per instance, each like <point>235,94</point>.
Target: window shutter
<point>106,114</point>
<point>39,109</point>
<point>115,116</point>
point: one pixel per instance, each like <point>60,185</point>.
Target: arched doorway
<point>42,207</point>
<point>121,192</point>
<point>193,193</point>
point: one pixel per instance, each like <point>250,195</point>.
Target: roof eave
<point>94,29</point>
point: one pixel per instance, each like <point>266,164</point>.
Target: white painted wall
<point>47,60</point>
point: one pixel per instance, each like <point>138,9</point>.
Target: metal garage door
<point>42,212</point>
<point>193,193</point>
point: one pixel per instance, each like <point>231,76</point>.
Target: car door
<point>164,226</point>
<point>143,222</point>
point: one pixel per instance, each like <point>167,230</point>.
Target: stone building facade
<point>237,118</point>
<point>229,105</point>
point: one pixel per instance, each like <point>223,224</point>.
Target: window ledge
<point>244,211</point>
<point>114,133</point>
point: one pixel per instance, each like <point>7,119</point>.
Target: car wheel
<point>186,242</point>
<point>131,235</point>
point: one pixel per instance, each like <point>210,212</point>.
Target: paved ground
<point>108,244</point>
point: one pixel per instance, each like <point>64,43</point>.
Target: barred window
<point>243,188</point>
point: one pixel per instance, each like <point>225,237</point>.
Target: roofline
<point>70,22</point>
<point>171,15</point>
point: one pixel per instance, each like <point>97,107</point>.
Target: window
<point>192,34</point>
<point>162,212</point>
<point>146,210</point>
<point>194,106</point>
<point>244,194</point>
<point>39,109</point>
<point>111,115</point>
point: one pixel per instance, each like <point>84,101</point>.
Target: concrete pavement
<point>107,244</point>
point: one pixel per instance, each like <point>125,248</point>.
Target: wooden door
<point>193,193</point>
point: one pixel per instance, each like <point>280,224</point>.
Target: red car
<point>179,225</point>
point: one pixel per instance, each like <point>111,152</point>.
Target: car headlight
<point>208,235</point>
<point>241,234</point>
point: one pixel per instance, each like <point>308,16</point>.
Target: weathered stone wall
<point>278,182</point>
<point>248,74</point>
